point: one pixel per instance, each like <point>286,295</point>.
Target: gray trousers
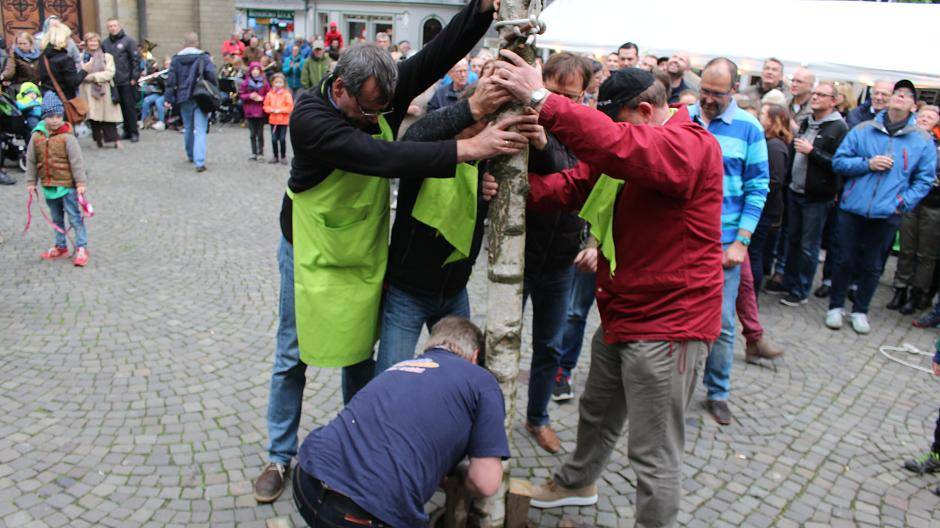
<point>920,248</point>
<point>651,382</point>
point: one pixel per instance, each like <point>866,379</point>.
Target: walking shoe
<point>834,318</point>
<point>929,462</point>
<point>898,300</point>
<point>274,160</point>
<point>545,437</point>
<point>720,411</point>
<point>270,483</point>
<point>81,257</point>
<point>822,291</point>
<point>55,252</point>
<point>860,323</point>
<point>201,168</point>
<point>928,320</point>
<point>562,390</point>
<point>554,495</point>
<point>6,179</point>
<point>913,302</point>
<point>793,300</point>
<point>761,349</point>
<point>253,158</point>
<point>775,286</point>
<point>135,138</point>
<point>159,125</point>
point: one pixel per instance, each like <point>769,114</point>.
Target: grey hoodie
<point>801,161</point>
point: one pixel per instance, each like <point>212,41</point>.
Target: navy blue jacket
<point>184,71</point>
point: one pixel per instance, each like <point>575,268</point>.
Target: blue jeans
<point>717,376</point>
<point>288,376</point>
<point>580,300</point>
<point>58,209</point>
<point>868,240</point>
<point>549,292</point>
<point>806,222</point>
<point>153,101</point>
<point>403,315</point>
<point>196,123</point>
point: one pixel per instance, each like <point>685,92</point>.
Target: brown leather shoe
<point>761,350</point>
<point>720,411</point>
<point>545,437</point>
<point>270,483</point>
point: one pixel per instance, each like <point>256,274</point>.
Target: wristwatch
<point>538,96</point>
<point>744,240</point>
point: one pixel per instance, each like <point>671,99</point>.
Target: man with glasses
<point>449,93</point>
<point>888,164</point>
<point>813,185</point>
<point>746,183</point>
<point>880,93</point>
<point>335,215</point>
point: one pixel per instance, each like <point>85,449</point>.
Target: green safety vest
<point>598,211</point>
<point>340,254</point>
<point>450,206</point>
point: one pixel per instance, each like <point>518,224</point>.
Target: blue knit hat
<point>52,105</point>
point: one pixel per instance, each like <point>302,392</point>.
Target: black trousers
<point>323,508</point>
<point>128,96</point>
<point>256,131</point>
<point>279,139</point>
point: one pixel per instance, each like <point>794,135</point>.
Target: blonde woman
<point>103,114</point>
<point>845,98</point>
<point>54,45</point>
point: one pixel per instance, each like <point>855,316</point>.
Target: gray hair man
<point>414,425</point>
<point>335,215</point>
<point>771,78</point>
<point>881,92</point>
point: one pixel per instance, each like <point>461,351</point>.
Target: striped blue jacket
<point>747,175</point>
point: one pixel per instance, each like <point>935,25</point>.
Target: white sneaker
<point>860,323</point>
<point>158,125</point>
<point>834,318</point>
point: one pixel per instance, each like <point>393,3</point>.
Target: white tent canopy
<point>857,41</point>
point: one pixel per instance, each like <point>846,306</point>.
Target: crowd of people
<point>745,185</point>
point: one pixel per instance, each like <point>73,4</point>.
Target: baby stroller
<point>13,133</point>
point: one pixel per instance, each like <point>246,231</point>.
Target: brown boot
<point>545,437</point>
<point>270,483</point>
<point>761,349</point>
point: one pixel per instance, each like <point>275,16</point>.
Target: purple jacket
<point>249,107</point>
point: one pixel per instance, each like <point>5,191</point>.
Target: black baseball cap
<point>623,85</point>
<point>904,83</point>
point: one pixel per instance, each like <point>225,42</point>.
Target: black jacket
<point>932,200</point>
<point>417,253</point>
<point>64,70</point>
<point>552,240</point>
<point>822,183</point>
<point>126,60</point>
<point>324,140</point>
<point>778,160</point>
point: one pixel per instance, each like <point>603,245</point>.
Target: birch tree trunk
<point>506,265</point>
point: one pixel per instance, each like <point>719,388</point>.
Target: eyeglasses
<point>820,94</point>
<point>375,113</point>
<point>711,93</point>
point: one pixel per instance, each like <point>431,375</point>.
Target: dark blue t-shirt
<point>390,447</point>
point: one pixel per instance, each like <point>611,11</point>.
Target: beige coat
<point>101,109</point>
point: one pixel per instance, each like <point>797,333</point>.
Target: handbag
<point>115,96</point>
<point>76,108</point>
<point>206,94</point>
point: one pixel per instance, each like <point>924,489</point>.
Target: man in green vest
<point>335,214</point>
<point>315,68</point>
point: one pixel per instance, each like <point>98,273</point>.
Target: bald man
<point>801,88</point>
<point>676,67</point>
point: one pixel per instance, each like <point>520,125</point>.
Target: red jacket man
<point>333,35</point>
<point>233,46</point>
<point>659,206</point>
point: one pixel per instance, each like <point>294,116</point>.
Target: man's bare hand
<point>490,187</point>
<point>492,141</point>
<point>734,256</point>
<point>530,128</point>
<point>880,163</point>
<point>517,76</point>
<point>586,261</point>
<point>802,146</point>
<point>488,98</point>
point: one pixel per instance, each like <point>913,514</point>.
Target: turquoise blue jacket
<point>882,194</point>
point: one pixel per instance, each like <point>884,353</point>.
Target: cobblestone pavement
<point>133,392</point>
